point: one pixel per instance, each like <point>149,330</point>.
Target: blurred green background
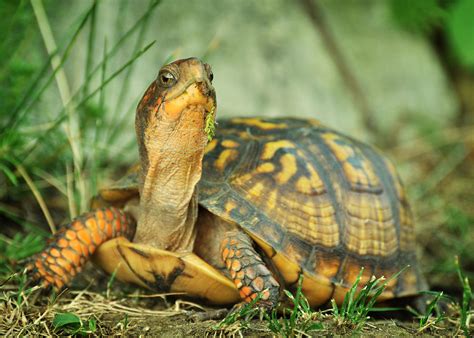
<point>396,73</point>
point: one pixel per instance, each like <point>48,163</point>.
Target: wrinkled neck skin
<point>171,169</point>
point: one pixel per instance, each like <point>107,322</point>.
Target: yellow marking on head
<point>288,168</point>
<point>266,167</point>
<point>230,144</point>
<point>255,122</point>
<point>210,146</point>
<point>272,147</point>
<point>225,157</point>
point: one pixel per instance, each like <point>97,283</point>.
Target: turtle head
<point>174,122</point>
<point>177,111</point>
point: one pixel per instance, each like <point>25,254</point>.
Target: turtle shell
<point>317,202</point>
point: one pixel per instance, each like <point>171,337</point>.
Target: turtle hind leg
<point>74,244</point>
<point>248,271</point>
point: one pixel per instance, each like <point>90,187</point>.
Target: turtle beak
<point>207,90</point>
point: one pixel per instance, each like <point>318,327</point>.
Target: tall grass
<point>52,154</point>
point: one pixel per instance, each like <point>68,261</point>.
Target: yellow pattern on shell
<point>225,157</point>
<point>288,168</point>
<point>271,148</point>
<point>230,144</point>
<point>210,146</point>
<point>357,169</point>
<point>256,122</point>
<point>272,199</point>
<point>312,184</point>
<point>256,191</point>
<point>266,167</point>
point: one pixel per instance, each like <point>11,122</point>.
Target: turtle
<point>244,213</point>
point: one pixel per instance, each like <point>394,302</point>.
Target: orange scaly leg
<point>248,271</point>
<point>75,243</point>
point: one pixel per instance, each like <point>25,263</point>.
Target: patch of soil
<point>132,315</point>
<point>182,326</point>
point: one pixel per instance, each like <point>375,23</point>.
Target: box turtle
<point>248,212</point>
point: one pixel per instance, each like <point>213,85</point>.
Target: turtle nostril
<point>204,88</point>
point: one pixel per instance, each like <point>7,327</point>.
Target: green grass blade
<point>429,309</point>
<point>16,119</point>
<point>144,24</point>
<point>103,77</point>
<point>347,304</point>
<point>99,123</point>
<point>18,116</point>
<point>62,114</point>
<point>9,173</point>
<point>466,299</point>
<point>90,44</point>
<point>116,73</point>
<point>387,309</point>
<point>381,288</point>
<point>116,47</point>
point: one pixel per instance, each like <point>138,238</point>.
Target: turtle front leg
<point>247,269</point>
<point>74,244</point>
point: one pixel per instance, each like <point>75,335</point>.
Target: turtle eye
<point>167,79</point>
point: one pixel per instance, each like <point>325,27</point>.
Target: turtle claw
<point>261,304</point>
<point>248,310</point>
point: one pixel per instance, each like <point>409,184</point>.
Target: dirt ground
<point>117,318</point>
<point>180,326</point>
<point>125,310</point>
